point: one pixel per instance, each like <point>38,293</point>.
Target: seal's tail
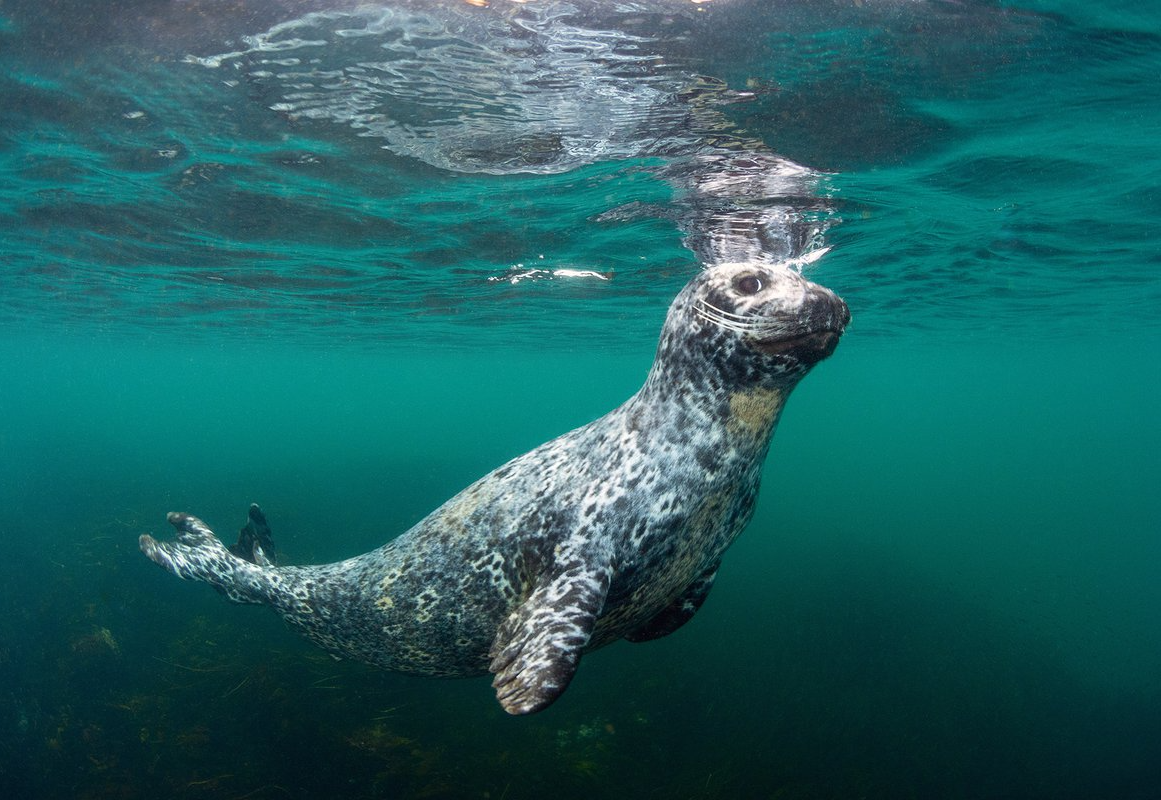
<point>198,555</point>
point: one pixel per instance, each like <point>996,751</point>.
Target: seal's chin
<point>805,348</point>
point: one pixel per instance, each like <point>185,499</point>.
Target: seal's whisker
<point>708,306</point>
<point>732,321</point>
<point>735,326</point>
<point>720,322</point>
<point>713,313</point>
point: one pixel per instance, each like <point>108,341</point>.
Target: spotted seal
<point>612,531</point>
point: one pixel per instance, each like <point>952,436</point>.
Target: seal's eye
<point>748,284</point>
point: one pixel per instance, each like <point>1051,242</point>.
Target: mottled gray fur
<point>614,530</point>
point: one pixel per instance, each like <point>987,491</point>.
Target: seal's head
<point>747,324</point>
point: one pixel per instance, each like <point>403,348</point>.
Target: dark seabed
<point>294,270</point>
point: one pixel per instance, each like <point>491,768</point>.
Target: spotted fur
<point>614,530</point>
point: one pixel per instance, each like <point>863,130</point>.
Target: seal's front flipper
<point>679,612</point>
<point>255,542</point>
<point>537,648</point>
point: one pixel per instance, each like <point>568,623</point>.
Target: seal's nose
<point>819,318</point>
<point>825,310</point>
<point>824,317</point>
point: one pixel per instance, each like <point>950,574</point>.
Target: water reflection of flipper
<point>255,541</point>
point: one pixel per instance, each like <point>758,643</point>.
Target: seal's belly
<point>656,570</point>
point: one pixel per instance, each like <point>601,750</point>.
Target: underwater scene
<point>343,259</point>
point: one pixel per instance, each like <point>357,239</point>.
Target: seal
<point>612,531</point>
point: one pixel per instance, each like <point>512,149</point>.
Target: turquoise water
<point>950,587</point>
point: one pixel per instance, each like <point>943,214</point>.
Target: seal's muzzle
<point>823,317</point>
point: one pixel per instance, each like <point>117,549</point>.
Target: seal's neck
<point>753,414</point>
<point>706,383</point>
<point>734,421</point>
<point>712,370</point>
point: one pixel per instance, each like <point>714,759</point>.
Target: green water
<point>950,588</point>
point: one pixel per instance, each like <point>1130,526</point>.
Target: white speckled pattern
<point>614,530</point>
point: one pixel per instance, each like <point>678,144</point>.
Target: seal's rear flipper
<point>193,555</point>
<point>198,555</point>
<point>679,612</point>
<point>537,648</point>
<point>255,542</point>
